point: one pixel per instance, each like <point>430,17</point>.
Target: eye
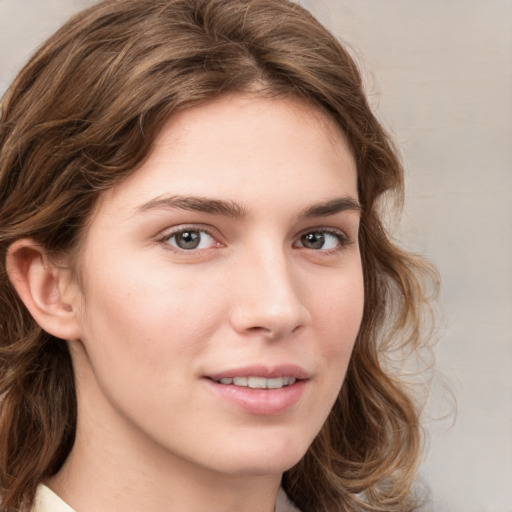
<point>322,240</point>
<point>189,239</point>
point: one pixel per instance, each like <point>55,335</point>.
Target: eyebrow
<point>195,204</point>
<point>331,207</point>
<point>236,211</point>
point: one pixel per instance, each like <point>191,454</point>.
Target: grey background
<point>439,75</point>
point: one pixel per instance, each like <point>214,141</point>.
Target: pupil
<point>188,239</point>
<point>313,240</point>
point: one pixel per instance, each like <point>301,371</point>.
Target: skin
<point>150,322</point>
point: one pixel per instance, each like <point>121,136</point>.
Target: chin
<point>260,459</point>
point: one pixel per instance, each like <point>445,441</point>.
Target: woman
<point>198,292</point>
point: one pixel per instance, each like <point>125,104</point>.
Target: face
<point>222,289</point>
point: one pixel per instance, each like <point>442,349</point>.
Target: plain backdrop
<point>439,75</point>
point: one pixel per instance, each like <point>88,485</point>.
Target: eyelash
<point>341,237</point>
<point>165,239</point>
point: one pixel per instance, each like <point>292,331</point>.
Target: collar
<point>47,501</point>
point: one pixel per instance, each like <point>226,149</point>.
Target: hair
<point>83,114</point>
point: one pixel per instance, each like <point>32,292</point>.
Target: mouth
<point>260,389</point>
<point>254,382</point>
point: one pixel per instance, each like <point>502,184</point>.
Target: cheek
<point>337,314</point>
<point>152,320</point>
<point>339,310</point>
<point>338,320</point>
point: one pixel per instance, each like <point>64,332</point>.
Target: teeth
<point>259,382</point>
<point>275,383</point>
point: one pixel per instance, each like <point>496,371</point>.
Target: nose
<point>268,296</point>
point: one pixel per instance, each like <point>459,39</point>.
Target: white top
<point>47,501</point>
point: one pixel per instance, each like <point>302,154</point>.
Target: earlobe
<point>45,289</point>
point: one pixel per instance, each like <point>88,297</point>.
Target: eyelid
<point>164,236</point>
<point>340,234</point>
<point>167,234</point>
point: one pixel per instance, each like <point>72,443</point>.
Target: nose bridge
<point>268,297</point>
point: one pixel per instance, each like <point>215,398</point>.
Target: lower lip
<point>262,402</point>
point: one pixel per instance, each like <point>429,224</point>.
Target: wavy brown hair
<point>83,114</point>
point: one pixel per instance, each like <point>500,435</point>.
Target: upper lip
<point>265,371</point>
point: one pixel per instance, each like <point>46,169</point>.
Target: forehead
<point>243,147</point>
<point>253,116</point>
<point>253,109</point>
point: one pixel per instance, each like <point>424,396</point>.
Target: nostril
<point>274,333</point>
<point>262,330</point>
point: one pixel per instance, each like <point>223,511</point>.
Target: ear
<point>50,293</point>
